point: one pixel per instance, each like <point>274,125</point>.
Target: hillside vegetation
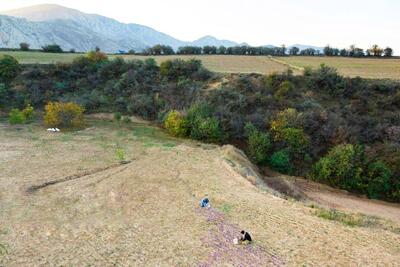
<point>341,131</point>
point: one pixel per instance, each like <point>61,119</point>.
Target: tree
<point>9,68</point>
<point>53,48</point>
<point>376,51</point>
<point>328,51</point>
<point>294,51</point>
<point>259,144</point>
<point>221,50</point>
<point>343,53</point>
<point>388,52</point>
<point>24,46</point>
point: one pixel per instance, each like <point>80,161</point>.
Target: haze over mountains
<point>71,29</point>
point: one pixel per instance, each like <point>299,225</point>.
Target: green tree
<point>9,68</point>
<point>52,48</point>
<point>294,51</point>
<point>259,144</point>
<point>388,52</point>
<point>24,46</point>
<point>280,161</point>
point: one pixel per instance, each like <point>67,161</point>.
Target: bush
<point>284,89</point>
<point>27,112</point>
<point>280,161</point>
<point>258,143</point>
<point>203,125</point>
<point>9,68</point>
<point>342,167</point>
<point>117,116</point>
<point>176,124</point>
<point>126,120</point>
<point>378,180</point>
<point>97,56</point>
<point>16,117</point>
<point>177,68</point>
<point>207,129</point>
<point>295,140</point>
<point>64,115</point>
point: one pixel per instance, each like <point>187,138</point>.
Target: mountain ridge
<point>45,24</point>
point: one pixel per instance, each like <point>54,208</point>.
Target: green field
<point>364,67</point>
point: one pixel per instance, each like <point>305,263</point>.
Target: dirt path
<point>344,201</point>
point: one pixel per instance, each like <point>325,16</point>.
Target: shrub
<point>117,116</point>
<point>295,139</point>
<point>284,119</point>
<point>97,56</point>
<point>378,180</point>
<point>207,129</point>
<point>16,117</point>
<point>120,154</point>
<point>203,125</point>
<point>64,115</point>
<point>176,124</point>
<point>284,89</point>
<point>9,68</point>
<point>258,142</point>
<point>28,112</point>
<point>126,120</point>
<point>342,167</point>
<point>177,68</point>
<point>280,161</point>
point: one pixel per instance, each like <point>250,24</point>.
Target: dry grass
<point>145,212</point>
<point>363,67</point>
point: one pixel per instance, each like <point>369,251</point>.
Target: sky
<point>338,23</point>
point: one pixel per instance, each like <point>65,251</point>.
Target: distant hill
<point>210,40</point>
<point>70,28</point>
<point>302,47</point>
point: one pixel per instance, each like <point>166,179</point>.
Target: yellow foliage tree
<point>64,115</point>
<point>176,124</point>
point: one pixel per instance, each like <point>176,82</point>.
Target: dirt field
<point>96,212</point>
<point>363,67</point>
<point>367,68</point>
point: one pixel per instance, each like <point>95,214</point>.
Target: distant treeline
<point>352,51</point>
<point>157,50</point>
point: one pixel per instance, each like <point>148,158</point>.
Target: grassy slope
<point>145,212</point>
<point>368,68</point>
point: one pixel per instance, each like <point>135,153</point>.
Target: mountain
<point>302,47</point>
<point>44,24</point>
<point>210,40</point>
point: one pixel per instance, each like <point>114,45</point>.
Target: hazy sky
<point>258,22</point>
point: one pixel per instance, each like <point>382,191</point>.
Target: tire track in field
<point>34,188</point>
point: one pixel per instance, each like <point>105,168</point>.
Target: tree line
<point>159,49</point>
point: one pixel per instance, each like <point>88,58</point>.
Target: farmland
<point>97,212</point>
<point>363,67</point>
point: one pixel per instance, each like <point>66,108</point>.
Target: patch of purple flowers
<point>220,239</point>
